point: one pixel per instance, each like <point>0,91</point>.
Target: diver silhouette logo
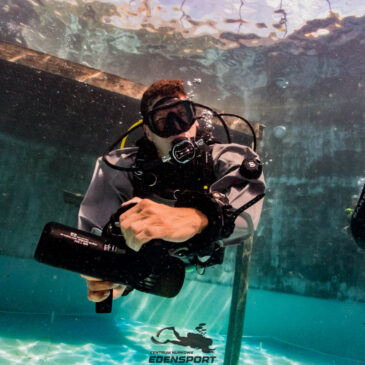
<point>193,340</point>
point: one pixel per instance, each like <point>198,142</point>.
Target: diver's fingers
<point>101,285</point>
<point>97,296</point>
<point>141,232</point>
<point>144,208</point>
<point>129,237</point>
<point>132,222</point>
<point>132,234</point>
<point>90,278</point>
<point>152,228</point>
<point>143,237</point>
<point>100,295</point>
<point>117,292</point>
<point>134,243</point>
<point>134,200</point>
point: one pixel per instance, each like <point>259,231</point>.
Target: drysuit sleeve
<point>108,189</point>
<point>236,189</point>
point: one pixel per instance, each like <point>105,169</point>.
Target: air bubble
<point>206,121</point>
<point>279,131</point>
<point>361,181</point>
<point>282,83</point>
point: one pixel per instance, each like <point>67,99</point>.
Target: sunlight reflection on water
<point>131,345</point>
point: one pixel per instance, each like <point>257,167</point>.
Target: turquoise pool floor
<point>82,340</point>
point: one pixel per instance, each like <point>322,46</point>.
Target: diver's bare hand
<point>98,290</point>
<point>149,220</point>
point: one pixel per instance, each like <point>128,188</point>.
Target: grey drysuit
<point>109,188</point>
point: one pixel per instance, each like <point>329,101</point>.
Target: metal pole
<point>238,302</point>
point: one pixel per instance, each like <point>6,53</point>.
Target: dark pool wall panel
<point>32,182</point>
<point>52,130</point>
<point>317,171</point>
<point>53,110</point>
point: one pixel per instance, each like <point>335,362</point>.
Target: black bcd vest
<point>166,178</point>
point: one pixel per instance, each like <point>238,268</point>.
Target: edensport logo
<point>191,340</point>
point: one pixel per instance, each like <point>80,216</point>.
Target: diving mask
<point>170,117</point>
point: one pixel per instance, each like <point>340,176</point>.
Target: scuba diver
<point>357,223</point>
<point>178,184</point>
<point>193,340</point>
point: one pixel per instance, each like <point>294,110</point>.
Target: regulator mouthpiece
<point>183,150</point>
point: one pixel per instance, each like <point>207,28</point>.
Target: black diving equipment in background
<point>358,221</point>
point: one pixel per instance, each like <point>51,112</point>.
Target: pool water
<point>75,340</point>
<point>45,318</point>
